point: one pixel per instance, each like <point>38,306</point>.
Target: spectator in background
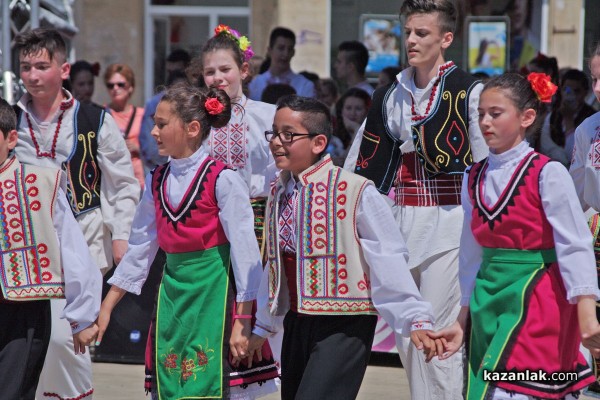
<point>351,111</point>
<point>314,78</point>
<point>81,78</point>
<point>387,76</point>
<point>350,65</point>
<point>329,92</point>
<point>282,42</point>
<point>273,92</point>
<point>572,110</point>
<point>176,65</point>
<point>120,83</point>
<point>544,143</point>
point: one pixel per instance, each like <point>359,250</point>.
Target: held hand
<point>255,347</point>
<point>423,342</point>
<point>238,343</point>
<point>588,324</point>
<point>119,247</point>
<point>448,340</point>
<point>102,321</point>
<point>590,337</point>
<point>84,338</point>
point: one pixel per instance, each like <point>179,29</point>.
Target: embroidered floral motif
<point>171,361</point>
<point>189,366</point>
<point>202,358</point>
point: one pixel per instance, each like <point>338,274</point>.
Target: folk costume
<point>193,208</point>
<point>44,257</point>
<point>585,171</point>
<point>241,145</point>
<point>102,192</point>
<point>526,255</point>
<point>585,165</point>
<point>420,141</point>
<point>334,261</point>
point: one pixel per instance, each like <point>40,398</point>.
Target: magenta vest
<point>527,228</point>
<point>194,225</point>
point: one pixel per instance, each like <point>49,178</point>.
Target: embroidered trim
<point>81,396</point>
<point>189,199</point>
<point>500,207</point>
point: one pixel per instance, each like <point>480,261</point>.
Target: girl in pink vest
<point>526,268</point>
<point>197,210</point>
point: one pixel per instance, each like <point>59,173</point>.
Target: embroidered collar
<point>314,173</point>
<point>9,164</point>
<point>317,172</point>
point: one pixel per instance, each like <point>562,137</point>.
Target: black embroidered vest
<point>81,166</point>
<point>441,140</point>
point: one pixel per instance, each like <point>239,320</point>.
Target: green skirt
<point>190,325</point>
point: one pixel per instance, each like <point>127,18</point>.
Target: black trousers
<point>325,357</point>
<point>24,337</point>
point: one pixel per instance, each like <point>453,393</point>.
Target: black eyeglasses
<point>111,85</point>
<point>285,137</point>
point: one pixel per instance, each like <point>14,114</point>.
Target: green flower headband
<point>243,41</point>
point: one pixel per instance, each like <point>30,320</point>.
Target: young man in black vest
<point>419,136</point>
<point>55,130</point>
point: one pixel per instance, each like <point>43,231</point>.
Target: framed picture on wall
<point>382,35</point>
<point>486,45</point>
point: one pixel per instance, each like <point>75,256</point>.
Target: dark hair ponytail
<point>189,104</point>
<point>221,119</point>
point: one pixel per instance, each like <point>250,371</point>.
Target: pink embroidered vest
<point>330,266</point>
<point>31,266</point>
<point>194,225</point>
<point>527,228</point>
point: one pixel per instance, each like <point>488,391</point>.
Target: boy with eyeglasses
<point>333,262</point>
<point>55,130</point>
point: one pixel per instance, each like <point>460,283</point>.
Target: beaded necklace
<point>64,106</point>
<point>416,116</point>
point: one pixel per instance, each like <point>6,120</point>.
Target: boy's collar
<point>312,174</point>
<point>10,161</point>
<point>25,102</point>
<point>315,171</point>
<point>408,75</point>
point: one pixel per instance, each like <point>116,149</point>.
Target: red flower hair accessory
<point>242,41</point>
<point>213,106</point>
<point>542,86</point>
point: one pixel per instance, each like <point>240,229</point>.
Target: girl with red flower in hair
<point>527,270</point>
<point>197,210</point>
